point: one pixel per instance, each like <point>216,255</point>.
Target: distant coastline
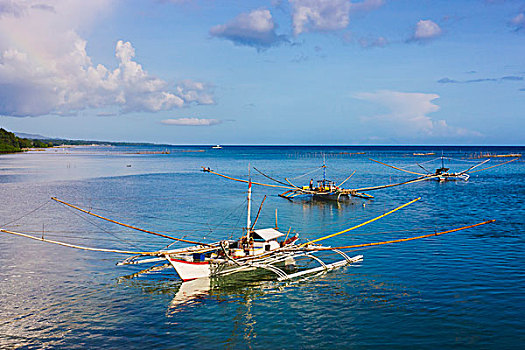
<point>10,143</point>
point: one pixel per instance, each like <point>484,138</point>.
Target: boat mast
<point>324,169</point>
<point>249,220</point>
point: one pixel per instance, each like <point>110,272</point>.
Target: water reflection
<point>188,293</point>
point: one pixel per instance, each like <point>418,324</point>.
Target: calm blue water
<point>463,290</point>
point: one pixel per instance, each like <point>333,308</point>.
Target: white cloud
<point>425,30</point>
<point>518,22</point>
<point>408,115</point>
<point>327,15</point>
<point>193,91</point>
<point>322,15</point>
<point>256,29</point>
<point>191,122</point>
<point>45,68</point>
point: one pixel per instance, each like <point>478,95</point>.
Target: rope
<point>464,160</point>
<point>126,225</point>
<point>393,167</point>
<point>245,181</point>
<point>157,218</point>
<point>362,224</point>
<point>310,172</point>
<point>428,161</point>
<point>231,213</point>
<point>26,214</point>
<point>269,177</point>
<point>103,230</point>
<point>60,235</point>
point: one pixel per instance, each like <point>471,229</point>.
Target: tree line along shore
<point>10,143</point>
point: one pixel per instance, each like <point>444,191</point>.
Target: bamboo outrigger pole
<point>78,246</point>
<point>509,161</point>
<point>360,225</point>
<point>128,226</point>
<point>208,170</point>
<point>341,184</point>
<point>422,178</point>
<point>406,239</point>
<point>259,212</point>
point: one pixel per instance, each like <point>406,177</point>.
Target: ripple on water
<point>460,290</point>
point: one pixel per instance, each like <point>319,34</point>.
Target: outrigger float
<point>442,173</point>
<point>262,249</point>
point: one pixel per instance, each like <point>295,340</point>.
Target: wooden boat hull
<point>454,177</point>
<point>332,196</point>
<point>188,271</point>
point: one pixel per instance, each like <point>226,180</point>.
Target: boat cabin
<point>261,241</point>
<point>266,239</point>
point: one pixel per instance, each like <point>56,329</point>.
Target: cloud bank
<point>408,115</point>
<point>255,29</point>
<point>45,68</point>
<point>191,122</point>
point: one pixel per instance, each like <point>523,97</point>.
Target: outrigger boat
<point>258,249</point>
<point>324,189</point>
<point>442,173</point>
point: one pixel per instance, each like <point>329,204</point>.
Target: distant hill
<point>10,143</point>
<point>31,136</point>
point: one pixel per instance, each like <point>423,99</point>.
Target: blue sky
<point>265,72</point>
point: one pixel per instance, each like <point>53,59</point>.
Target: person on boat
<point>244,244</point>
<point>311,184</point>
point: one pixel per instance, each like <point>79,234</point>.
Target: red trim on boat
<point>191,262</point>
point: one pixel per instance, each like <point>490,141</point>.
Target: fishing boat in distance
<point>322,189</point>
<point>265,249</point>
<point>217,147</point>
<point>442,173</point>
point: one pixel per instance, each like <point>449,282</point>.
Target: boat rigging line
<point>101,228</point>
<point>126,225</point>
<point>310,172</point>
<point>26,214</point>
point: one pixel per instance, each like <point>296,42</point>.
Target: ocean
<point>460,290</point>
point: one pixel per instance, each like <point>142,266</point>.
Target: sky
<point>265,72</point>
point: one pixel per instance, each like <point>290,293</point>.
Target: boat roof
<point>267,234</point>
